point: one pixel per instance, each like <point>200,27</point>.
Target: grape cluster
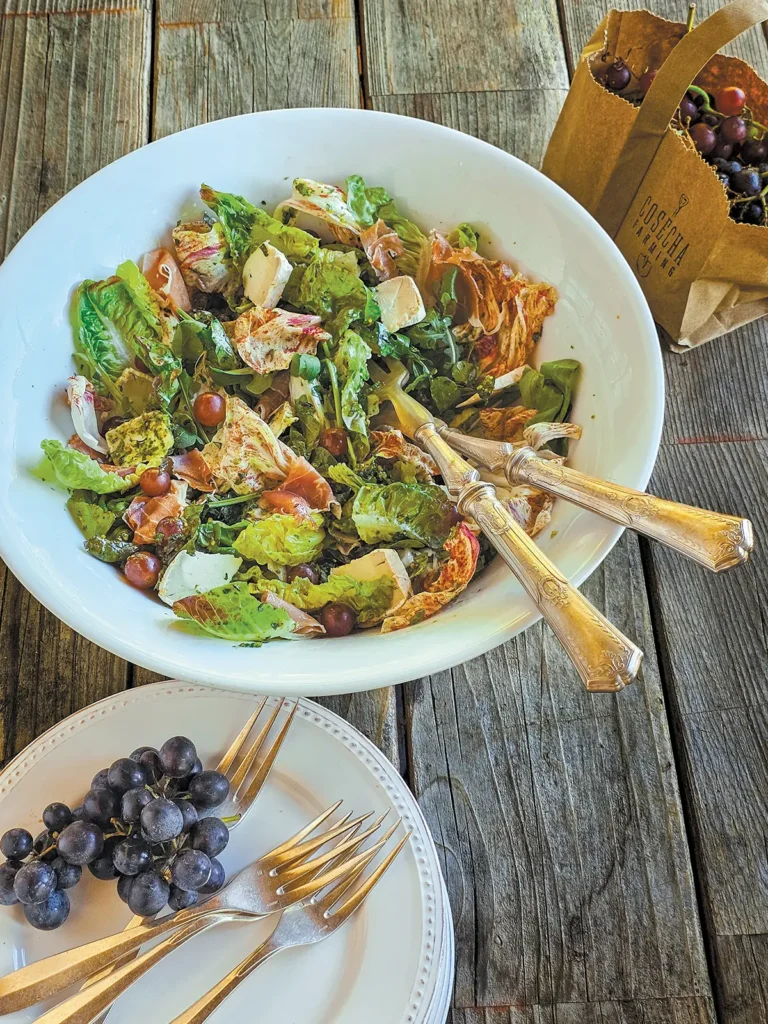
<point>144,822</point>
<point>721,127</point>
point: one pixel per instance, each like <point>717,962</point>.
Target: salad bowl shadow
<point>130,206</point>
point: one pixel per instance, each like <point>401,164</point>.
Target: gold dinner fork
<point>302,925</point>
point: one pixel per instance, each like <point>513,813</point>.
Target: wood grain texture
<point>558,820</point>
<point>74,96</point>
<point>649,1011</point>
<point>234,56</point>
<point>429,46</point>
<point>714,644</point>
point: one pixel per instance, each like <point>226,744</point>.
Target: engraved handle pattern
<point>713,540</point>
<point>604,658</point>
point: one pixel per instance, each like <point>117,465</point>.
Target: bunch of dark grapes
<point>145,822</point>
<point>720,126</point>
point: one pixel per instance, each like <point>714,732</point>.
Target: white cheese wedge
<point>385,562</point>
<point>195,574</point>
<point>400,302</point>
<point>265,275</point>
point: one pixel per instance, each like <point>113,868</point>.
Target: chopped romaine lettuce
<point>281,539</point>
<point>464,237</point>
<point>92,518</point>
<point>351,361</point>
<point>369,598</point>
<point>76,470</point>
<point>329,284</point>
<point>374,204</point>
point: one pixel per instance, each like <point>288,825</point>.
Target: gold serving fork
<point>302,925</point>
<point>712,539</point>
<point>605,659</point>
<point>291,873</point>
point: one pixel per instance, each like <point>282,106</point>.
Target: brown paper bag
<point>702,273</point>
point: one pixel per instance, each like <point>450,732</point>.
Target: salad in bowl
<point>229,452</point>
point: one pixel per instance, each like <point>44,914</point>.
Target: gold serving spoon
<point>604,658</point>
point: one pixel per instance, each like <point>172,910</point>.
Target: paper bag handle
<point>674,76</point>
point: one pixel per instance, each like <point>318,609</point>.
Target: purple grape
<point>124,884</point>
<point>188,811</point>
<point>16,844</point>
<point>617,76</point>
<point>161,820</point>
<point>132,856</point>
<point>134,802</point>
<point>180,899</point>
<point>50,913</point>
<point>150,762</point>
<point>746,182</point>
<point>99,780</point>
<point>177,757</point>
<point>56,817</point>
<point>210,835</point>
<point>209,789</point>
<point>78,814</point>
<point>34,882</point>
<point>7,893</point>
<point>125,774</point>
<point>216,879</point>
<point>103,867</point>
<point>67,875</point>
<point>136,755</point>
<point>100,806</point>
<point>80,843</point>
<point>148,894</point>
<point>191,870</point>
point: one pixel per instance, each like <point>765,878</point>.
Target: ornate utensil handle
<point>604,658</point>
<point>713,540</point>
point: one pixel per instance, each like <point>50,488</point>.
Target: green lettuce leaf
<point>351,361</point>
<point>145,440</point>
<point>329,285</point>
<point>364,202</point>
<point>97,339</point>
<point>464,237</point>
<point>281,540</point>
<point>246,227</point>
<point>387,512</point>
<point>75,470</point>
<point>369,598</point>
<point>92,518</point>
<point>110,549</point>
<point>550,389</point>
<point>232,612</point>
<point>137,391</point>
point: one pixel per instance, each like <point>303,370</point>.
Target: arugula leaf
<point>75,470</point>
<point>203,334</point>
<point>447,299</point>
<point>91,517</point>
<point>246,227</point>
<point>370,599</point>
<point>280,540</point>
<point>231,612</point>
<point>364,202</point>
<point>464,237</point>
<point>550,389</point>
<point>306,366</point>
<point>445,393</point>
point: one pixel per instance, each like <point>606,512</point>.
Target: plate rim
<point>435,906</point>
<point>387,671</point>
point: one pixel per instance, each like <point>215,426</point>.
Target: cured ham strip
<point>143,514</point>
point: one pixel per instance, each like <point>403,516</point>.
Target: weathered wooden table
<point>607,857</point>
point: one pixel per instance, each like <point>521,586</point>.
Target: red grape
<point>155,482</point>
<point>338,619</point>
<point>334,440</point>
<point>618,76</point>
<point>171,526</point>
<point>302,572</point>
<point>646,80</point>
<point>754,151</point>
<point>733,129</point>
<point>730,100</point>
<point>142,570</point>
<point>703,137</point>
<point>724,150</point>
<point>687,111</point>
<point>210,409</point>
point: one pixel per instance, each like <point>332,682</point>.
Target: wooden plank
<point>557,816</point>
<point>233,56</point>
<point>74,96</point>
<point>649,1011</point>
<point>712,630</point>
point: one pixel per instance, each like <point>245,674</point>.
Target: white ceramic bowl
<point>440,177</point>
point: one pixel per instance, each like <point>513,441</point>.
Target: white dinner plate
<point>391,964</point>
